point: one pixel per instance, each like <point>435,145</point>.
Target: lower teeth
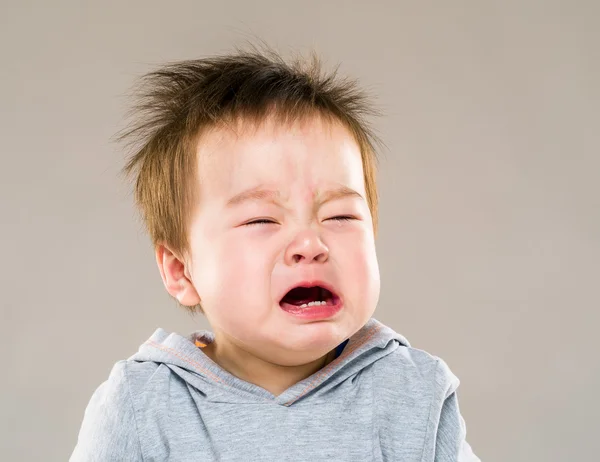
<point>306,305</point>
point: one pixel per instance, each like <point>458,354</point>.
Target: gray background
<point>490,228</point>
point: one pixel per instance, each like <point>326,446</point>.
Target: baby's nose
<point>307,248</point>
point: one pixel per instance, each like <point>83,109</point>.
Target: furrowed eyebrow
<point>337,193</point>
<point>269,195</point>
<point>254,194</point>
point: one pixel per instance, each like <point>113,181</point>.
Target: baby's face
<point>241,271</point>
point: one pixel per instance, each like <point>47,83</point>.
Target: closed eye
<point>342,218</point>
<point>266,221</point>
<point>259,222</point>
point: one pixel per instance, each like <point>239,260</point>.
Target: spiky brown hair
<point>177,102</point>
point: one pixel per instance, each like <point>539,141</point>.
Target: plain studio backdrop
<point>489,245</point>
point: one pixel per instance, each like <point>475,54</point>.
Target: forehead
<point>305,154</point>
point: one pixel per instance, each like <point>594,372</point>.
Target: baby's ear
<point>173,272</point>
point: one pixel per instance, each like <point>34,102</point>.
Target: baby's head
<point>254,176</point>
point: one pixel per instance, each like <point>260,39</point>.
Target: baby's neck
<point>271,377</point>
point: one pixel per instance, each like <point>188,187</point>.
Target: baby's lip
<point>313,283</point>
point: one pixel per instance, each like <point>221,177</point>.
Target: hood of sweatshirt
<point>183,355</point>
<point>379,400</point>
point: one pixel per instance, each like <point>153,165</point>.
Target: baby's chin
<point>278,329</point>
<point>312,335</point>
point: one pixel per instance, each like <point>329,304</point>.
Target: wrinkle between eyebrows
<point>259,193</point>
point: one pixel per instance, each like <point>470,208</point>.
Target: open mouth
<point>306,297</point>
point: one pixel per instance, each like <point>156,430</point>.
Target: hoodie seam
<point>437,363</point>
<point>137,431</point>
<point>197,365</point>
<point>186,359</point>
<point>327,369</point>
<point>311,385</point>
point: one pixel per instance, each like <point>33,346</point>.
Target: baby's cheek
<point>364,270</point>
<point>242,270</point>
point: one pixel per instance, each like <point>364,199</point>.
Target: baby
<point>256,179</point>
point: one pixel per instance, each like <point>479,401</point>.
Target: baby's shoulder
<point>128,377</point>
<point>409,368</point>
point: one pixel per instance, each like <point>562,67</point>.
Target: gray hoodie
<point>379,400</point>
